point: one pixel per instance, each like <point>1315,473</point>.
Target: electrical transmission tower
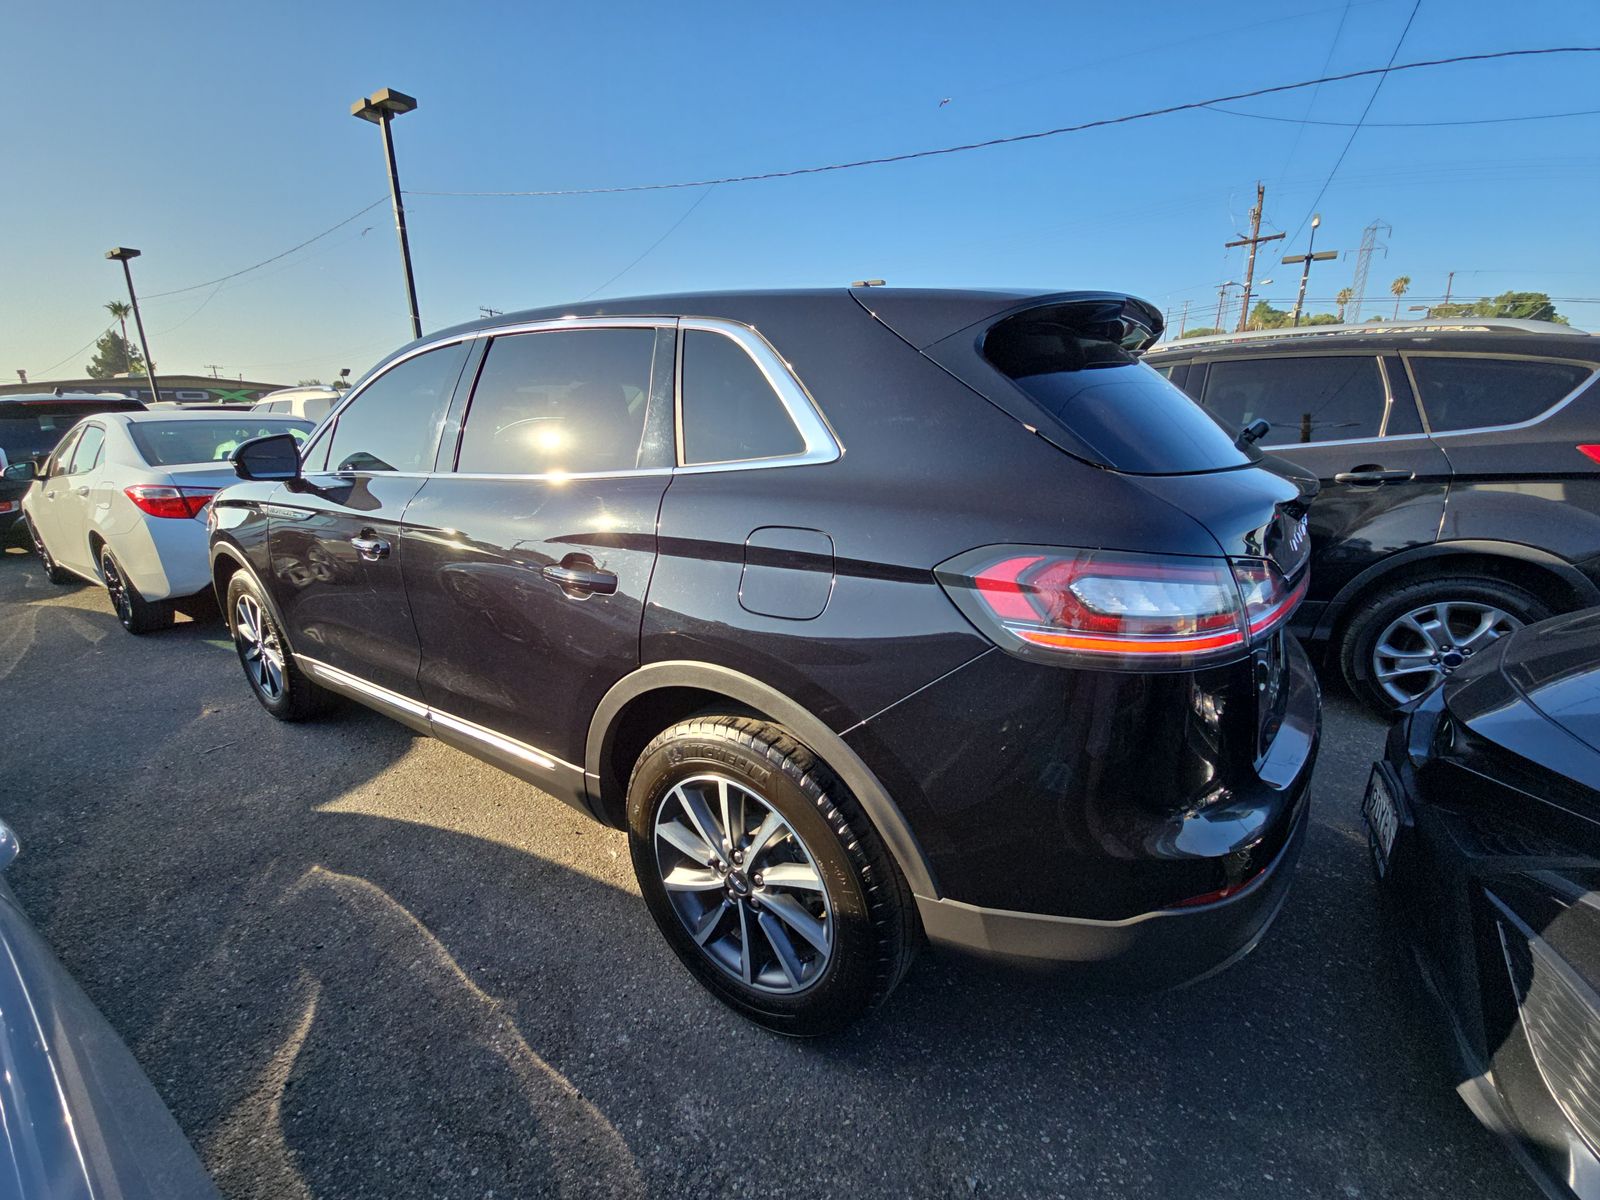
<point>1369,243</point>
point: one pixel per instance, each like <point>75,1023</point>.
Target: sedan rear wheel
<point>136,614</point>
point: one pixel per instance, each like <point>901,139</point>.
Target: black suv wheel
<point>1397,650</point>
<point>765,877</point>
<point>277,682</point>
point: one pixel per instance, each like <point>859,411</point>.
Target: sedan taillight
<point>1107,608</point>
<point>161,500</point>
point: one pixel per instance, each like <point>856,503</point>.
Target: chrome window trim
<point>1407,355</point>
<point>821,445</point>
<point>316,667</point>
<point>1388,397</point>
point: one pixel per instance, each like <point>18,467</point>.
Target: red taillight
<point>1107,608</point>
<point>1590,451</point>
<point>160,500</point>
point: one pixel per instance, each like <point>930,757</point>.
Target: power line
<point>1583,112</point>
<point>1312,102</point>
<point>1351,140</point>
<point>651,248</point>
<point>86,346</point>
<point>195,287</point>
<point>1368,72</point>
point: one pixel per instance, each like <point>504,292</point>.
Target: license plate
<point>1382,815</point>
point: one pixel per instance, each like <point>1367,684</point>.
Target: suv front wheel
<point>1399,648</point>
<point>765,876</point>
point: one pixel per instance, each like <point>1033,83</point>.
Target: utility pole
<point>1306,260</point>
<point>1448,285</point>
<point>1254,240</point>
<point>1222,298</point>
<point>1183,319</point>
<point>490,312</point>
<point>214,368</point>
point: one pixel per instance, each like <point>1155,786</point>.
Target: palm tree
<point>1399,287</point>
<point>121,310</point>
<point>1344,297</point>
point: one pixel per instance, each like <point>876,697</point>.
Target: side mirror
<point>23,472</point>
<point>1253,432</point>
<point>274,458</point>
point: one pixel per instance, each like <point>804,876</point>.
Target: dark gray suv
<point>1460,494</point>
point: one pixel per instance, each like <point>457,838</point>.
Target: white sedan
<point>122,502</point>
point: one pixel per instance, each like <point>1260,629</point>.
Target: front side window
<point>1313,399</point>
<point>57,464</point>
<point>393,425</point>
<point>87,452</point>
<point>560,402</point>
<point>729,411</point>
<point>1474,393</point>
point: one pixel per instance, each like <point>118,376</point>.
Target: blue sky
<point>212,136</point>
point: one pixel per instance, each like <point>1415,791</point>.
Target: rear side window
<point>393,425</point>
<point>1125,414</point>
<point>1316,399</point>
<point>1473,393</point>
<point>560,402</point>
<point>730,412</point>
<point>87,453</point>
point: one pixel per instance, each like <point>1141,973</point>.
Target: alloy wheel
<point>1420,649</point>
<point>744,884</point>
<point>259,648</point>
<point>117,589</point>
<point>38,547</point>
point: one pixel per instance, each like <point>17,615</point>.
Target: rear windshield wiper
<point>1252,433</point>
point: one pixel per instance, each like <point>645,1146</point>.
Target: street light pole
<point>381,108</point>
<point>124,254</point>
<point>1306,260</point>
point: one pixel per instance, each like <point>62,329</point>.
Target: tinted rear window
<point>1312,399</point>
<point>168,443</point>
<point>1475,393</point>
<point>33,430</point>
<point>1122,411</point>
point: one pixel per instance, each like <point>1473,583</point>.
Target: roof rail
<point>1440,325</point>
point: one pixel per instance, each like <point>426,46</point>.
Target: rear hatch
<point>1067,367</point>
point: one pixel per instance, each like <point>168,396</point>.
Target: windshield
<point>168,443</point>
<point>1127,416</point>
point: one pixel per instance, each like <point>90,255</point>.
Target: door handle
<point>370,548</point>
<point>578,576</point>
<point>81,490</point>
<point>1373,475</point>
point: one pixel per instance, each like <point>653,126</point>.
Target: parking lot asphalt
<point>357,963</point>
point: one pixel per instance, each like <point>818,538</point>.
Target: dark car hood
<point>1537,693</point>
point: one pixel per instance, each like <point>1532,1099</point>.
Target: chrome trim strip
<point>488,737</point>
<point>821,444</point>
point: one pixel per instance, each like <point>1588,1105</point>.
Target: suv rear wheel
<point>765,876</point>
<point>1411,640</point>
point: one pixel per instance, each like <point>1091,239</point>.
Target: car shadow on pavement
<point>358,963</point>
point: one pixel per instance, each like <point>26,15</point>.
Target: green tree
<point>1199,331</point>
<point>1264,316</point>
<point>1320,319</point>
<point>1529,306</point>
<point>1399,287</point>
<point>113,356</point>
<point>309,383</point>
<point>1344,297</point>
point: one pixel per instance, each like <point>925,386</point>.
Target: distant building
<point>185,389</point>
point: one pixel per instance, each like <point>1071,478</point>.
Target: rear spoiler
<point>925,318</point>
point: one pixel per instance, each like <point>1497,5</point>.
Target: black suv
<point>1460,494</point>
<point>30,426</point>
<point>869,615</point>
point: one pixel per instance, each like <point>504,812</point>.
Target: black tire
<point>1359,644</point>
<point>137,615</point>
<point>285,692</point>
<point>51,572</point>
<point>863,898</point>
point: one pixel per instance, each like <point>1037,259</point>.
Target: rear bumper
<point>1153,950</point>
